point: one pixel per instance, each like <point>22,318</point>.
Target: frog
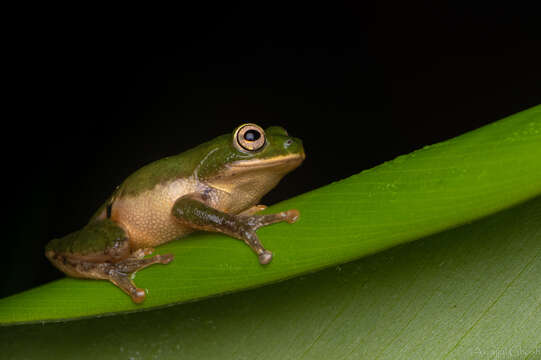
<point>215,187</point>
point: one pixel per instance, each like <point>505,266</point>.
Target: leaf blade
<point>470,292</point>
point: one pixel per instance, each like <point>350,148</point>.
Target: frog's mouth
<point>291,160</point>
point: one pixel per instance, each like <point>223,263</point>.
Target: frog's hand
<point>192,211</point>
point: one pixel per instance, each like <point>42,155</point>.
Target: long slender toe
<point>166,258</point>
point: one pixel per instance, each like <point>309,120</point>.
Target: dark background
<point>95,93</point>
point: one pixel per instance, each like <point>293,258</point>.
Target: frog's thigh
<point>102,251</point>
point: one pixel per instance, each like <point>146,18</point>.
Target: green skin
<point>104,249</point>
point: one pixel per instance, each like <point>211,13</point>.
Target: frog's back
<point>158,172</point>
<point>144,179</point>
<point>170,168</point>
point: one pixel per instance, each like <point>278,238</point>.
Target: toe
<point>138,296</point>
<point>292,215</point>
<point>265,257</point>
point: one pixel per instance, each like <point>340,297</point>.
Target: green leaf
<point>430,190</point>
<point>468,293</point>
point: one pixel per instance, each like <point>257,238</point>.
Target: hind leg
<point>101,250</point>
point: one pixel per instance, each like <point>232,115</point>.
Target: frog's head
<point>272,149</point>
<point>251,159</point>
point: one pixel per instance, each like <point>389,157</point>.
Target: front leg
<point>192,211</point>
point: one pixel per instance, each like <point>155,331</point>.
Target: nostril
<point>288,142</point>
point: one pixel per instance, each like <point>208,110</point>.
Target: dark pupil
<point>251,135</point>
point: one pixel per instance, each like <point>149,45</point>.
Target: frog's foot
<point>121,273</point>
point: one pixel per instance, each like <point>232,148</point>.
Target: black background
<point>95,93</point>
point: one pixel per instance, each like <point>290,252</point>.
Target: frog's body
<point>202,189</point>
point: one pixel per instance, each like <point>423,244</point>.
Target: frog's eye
<point>249,137</point>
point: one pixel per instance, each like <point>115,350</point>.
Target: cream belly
<point>147,217</point>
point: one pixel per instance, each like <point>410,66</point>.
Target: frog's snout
<point>294,146</point>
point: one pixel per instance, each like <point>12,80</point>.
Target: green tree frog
<point>215,186</point>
